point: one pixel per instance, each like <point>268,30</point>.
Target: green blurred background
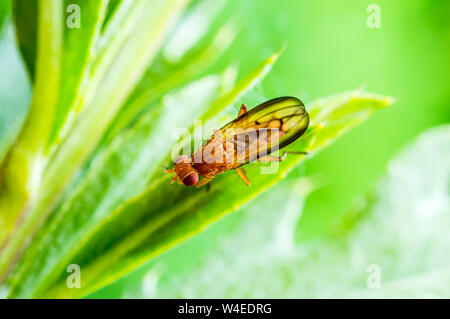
<point>330,49</point>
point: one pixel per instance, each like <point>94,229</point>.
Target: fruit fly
<point>251,137</point>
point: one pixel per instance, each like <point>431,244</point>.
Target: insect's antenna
<point>166,169</point>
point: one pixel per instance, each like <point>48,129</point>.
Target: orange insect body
<point>250,137</point>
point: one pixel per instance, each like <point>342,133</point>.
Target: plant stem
<point>23,169</point>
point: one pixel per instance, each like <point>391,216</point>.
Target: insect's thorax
<point>215,157</point>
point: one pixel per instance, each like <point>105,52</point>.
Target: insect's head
<point>186,173</point>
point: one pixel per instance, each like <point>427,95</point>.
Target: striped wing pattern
<point>262,130</point>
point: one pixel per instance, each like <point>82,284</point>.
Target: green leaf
<point>52,98</point>
<point>102,107</point>
<point>78,56</point>
<point>5,8</point>
<point>121,61</point>
<point>25,14</point>
<point>165,214</point>
<point>22,171</point>
<point>164,77</point>
<point>401,231</point>
<point>128,171</point>
<point>84,182</point>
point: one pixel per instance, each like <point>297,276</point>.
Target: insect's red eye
<point>191,179</point>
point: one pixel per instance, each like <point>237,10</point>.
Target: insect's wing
<point>265,128</point>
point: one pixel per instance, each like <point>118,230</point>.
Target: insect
<point>251,137</point>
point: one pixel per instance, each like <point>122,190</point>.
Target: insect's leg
<point>243,110</point>
<point>204,181</point>
<point>242,175</point>
<point>169,171</point>
<point>208,187</point>
<point>268,158</point>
